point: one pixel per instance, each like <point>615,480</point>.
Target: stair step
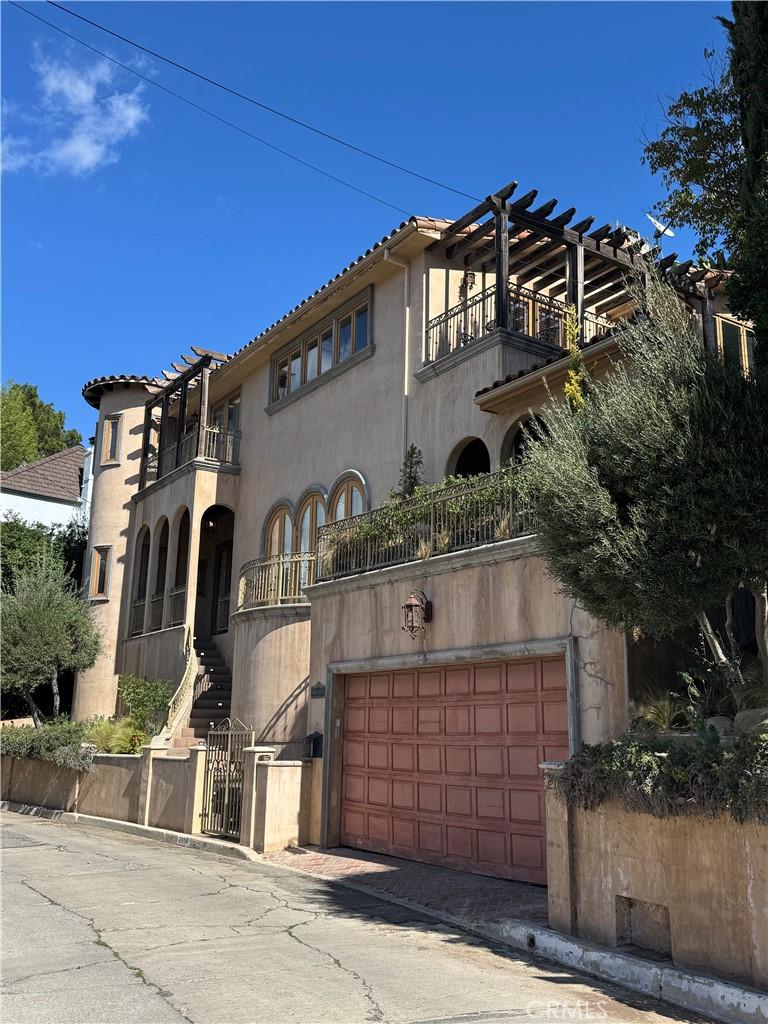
<point>183,743</point>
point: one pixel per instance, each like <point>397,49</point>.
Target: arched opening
<point>214,571</point>
<point>519,436</point>
<point>158,590</point>
<point>178,594</point>
<point>347,499</point>
<point>310,518</point>
<point>140,579</point>
<point>470,458</point>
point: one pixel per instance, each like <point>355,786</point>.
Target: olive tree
<point>652,494</point>
<point>46,629</point>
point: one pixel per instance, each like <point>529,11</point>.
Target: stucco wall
<point>490,596</point>
<point>112,790</point>
<point>159,655</point>
<point>709,879</point>
<point>40,783</point>
<point>168,796</point>
<point>37,510</point>
<point>271,672</point>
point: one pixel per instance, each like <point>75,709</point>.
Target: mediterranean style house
<point>239,541</point>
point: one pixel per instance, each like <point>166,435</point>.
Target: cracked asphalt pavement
<point>105,928</point>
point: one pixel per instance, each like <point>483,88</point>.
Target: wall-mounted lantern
<point>417,612</point>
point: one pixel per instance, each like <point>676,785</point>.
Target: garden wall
<point>693,888</point>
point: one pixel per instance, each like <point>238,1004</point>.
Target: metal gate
<point>224,768</point>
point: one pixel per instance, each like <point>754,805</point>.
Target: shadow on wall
<point>293,748</point>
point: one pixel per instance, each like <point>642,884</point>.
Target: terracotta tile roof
<point>94,389</point>
<point>56,476</point>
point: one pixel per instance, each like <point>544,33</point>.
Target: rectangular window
<point>731,335</point>
<point>750,348</point>
<point>326,351</point>
<point>100,572</point>
<point>281,379</point>
<point>361,328</point>
<point>295,370</point>
<point>345,338</point>
<point>110,449</point>
<point>311,360</point>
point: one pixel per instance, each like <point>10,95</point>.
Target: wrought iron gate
<point>223,788</point>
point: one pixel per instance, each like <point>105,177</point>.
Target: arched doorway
<point>214,571</point>
<point>519,436</point>
<point>469,458</point>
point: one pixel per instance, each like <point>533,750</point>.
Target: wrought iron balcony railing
<point>485,510</point>
<point>218,445</point>
<point>530,313</point>
<point>156,612</point>
<point>177,601</point>
<point>277,580</point>
<point>137,617</point>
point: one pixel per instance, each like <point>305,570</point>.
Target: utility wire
<point>210,113</point>
<point>265,106</point>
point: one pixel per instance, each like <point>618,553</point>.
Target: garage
<point>441,764</point>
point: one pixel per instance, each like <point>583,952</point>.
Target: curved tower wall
<point>114,483</point>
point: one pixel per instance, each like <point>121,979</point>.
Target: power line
<point>265,106</point>
<point>210,113</point>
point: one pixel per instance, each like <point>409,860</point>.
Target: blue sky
<point>135,226</point>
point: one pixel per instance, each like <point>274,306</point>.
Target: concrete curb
<point>709,996</point>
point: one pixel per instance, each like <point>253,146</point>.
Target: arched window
<point>279,539</point>
<point>162,560</point>
<point>470,458</point>
<point>310,518</point>
<point>347,500</point>
<point>182,552</point>
<point>519,436</point>
<point>141,571</point>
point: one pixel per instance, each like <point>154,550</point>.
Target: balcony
<point>530,314</point>
<point>177,601</point>
<point>485,510</point>
<point>279,580</point>
<point>215,445</point>
<point>137,617</point>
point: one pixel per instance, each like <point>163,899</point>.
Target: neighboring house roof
<point>57,477</point>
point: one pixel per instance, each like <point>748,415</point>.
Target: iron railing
<point>137,617</point>
<point>180,703</point>
<point>485,510</point>
<point>530,313</point>
<point>277,580</point>
<point>177,600</point>
<point>222,614</point>
<point>218,445</point>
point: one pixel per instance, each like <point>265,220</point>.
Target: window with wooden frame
<point>110,442</point>
<point>309,520</point>
<point>100,566</point>
<point>348,499</point>
<point>279,536</point>
<point>735,342</point>
<point>345,334</point>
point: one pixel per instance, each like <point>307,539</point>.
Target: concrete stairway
<point>214,689</point>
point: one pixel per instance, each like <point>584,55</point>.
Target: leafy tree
<point>748,289</point>
<point>32,428</point>
<point>23,544</point>
<point>410,474</point>
<point>19,430</point>
<point>699,157</point>
<point>652,495</point>
<point>46,629</point>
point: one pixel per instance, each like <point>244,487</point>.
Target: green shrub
<point>671,778</point>
<point>146,700</point>
<point>58,741</point>
<point>116,736</point>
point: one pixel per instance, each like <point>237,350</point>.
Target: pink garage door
<point>442,764</point>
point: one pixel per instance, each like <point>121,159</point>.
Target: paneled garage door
<point>442,764</point>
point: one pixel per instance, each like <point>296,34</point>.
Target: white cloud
<point>79,122</point>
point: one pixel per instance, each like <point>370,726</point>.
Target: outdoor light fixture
<point>417,612</point>
<point>468,282</point>
<point>211,525</point>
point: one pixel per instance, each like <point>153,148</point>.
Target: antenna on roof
<point>661,229</point>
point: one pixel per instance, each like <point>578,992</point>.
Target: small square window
<point>100,572</point>
<point>361,328</point>
<point>110,448</point>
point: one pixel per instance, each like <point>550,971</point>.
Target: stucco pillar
<point>195,784</point>
<point>561,881</point>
